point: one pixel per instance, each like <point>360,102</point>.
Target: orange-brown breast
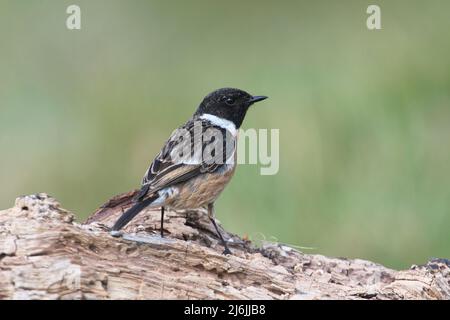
<point>201,190</point>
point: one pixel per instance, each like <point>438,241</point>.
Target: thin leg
<point>162,222</point>
<point>211,217</point>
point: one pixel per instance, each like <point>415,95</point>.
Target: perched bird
<point>197,161</point>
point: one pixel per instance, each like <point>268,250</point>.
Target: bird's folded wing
<point>168,169</point>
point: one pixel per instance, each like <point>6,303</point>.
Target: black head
<point>228,103</point>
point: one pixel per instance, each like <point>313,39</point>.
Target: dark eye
<point>229,101</point>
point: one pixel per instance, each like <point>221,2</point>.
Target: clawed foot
<point>115,233</point>
<point>226,251</point>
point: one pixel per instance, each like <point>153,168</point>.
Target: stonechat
<point>197,161</point>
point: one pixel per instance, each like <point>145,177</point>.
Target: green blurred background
<point>364,116</point>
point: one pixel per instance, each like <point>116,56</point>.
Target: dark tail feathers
<point>128,215</point>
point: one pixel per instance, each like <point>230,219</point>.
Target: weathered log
<point>45,254</point>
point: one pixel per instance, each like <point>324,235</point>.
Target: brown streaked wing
<point>164,172</point>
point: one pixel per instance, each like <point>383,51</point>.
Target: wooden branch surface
<point>45,254</point>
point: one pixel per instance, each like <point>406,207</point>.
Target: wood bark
<point>45,254</point>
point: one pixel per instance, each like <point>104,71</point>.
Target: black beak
<point>257,98</point>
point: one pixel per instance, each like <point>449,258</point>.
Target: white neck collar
<point>220,122</point>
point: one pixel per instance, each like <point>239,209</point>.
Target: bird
<point>197,161</point>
